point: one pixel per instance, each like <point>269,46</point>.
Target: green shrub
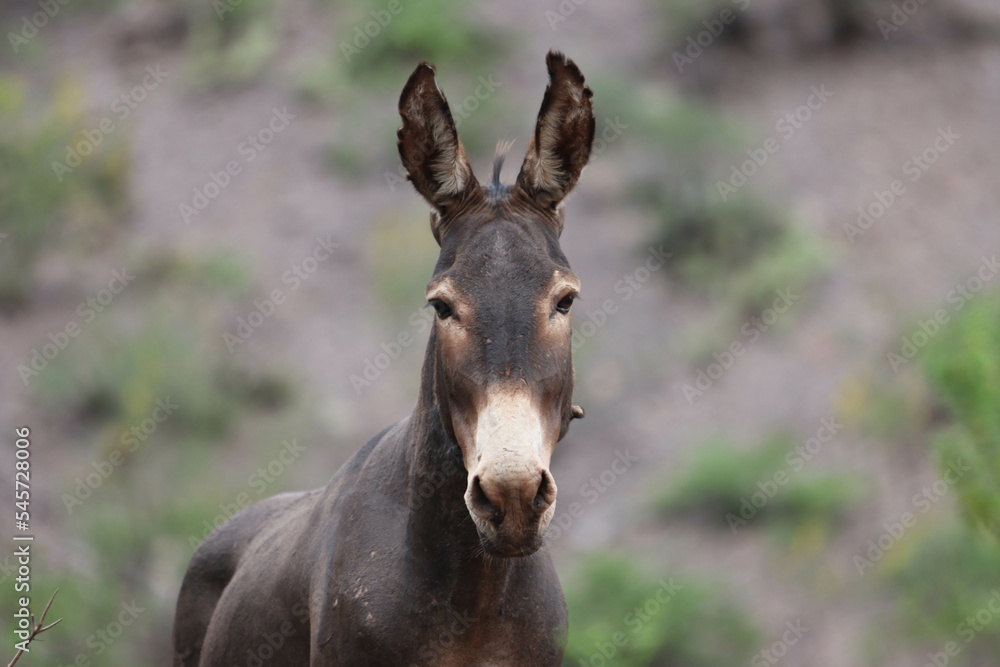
<point>116,376</point>
<point>221,275</point>
<point>806,26</point>
<point>739,249</point>
<point>950,578</point>
<point>679,132</point>
<point>963,364</point>
<point>701,230</point>
<point>231,43</point>
<point>38,206</point>
<point>360,77</point>
<point>414,34</point>
<point>676,20</point>
<point>722,480</point>
<point>895,410</point>
<point>660,621</point>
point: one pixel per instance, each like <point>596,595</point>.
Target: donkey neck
<point>441,534</point>
<point>437,476</point>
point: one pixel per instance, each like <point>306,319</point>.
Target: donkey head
<point>502,289</point>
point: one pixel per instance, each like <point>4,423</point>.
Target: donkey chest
<point>377,631</point>
<point>461,639</point>
<point>475,643</point>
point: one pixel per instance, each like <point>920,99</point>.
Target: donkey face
<point>502,289</point>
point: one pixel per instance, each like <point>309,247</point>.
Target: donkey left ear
<point>428,143</point>
<point>564,134</point>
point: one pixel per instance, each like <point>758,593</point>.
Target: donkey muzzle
<point>511,511</point>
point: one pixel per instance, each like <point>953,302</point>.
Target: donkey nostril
<point>545,493</point>
<point>481,502</point>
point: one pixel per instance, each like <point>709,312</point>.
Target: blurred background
<point>211,291</point>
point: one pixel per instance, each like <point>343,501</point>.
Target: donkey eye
<point>565,303</point>
<point>443,310</point>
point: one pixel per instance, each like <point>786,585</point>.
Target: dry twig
<point>38,628</point>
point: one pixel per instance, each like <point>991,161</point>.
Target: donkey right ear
<point>564,134</point>
<point>428,143</point>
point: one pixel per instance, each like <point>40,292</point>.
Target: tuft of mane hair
<point>503,147</point>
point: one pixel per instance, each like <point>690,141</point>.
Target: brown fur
<point>424,548</point>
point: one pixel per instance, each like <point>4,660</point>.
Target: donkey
<point>423,549</point>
